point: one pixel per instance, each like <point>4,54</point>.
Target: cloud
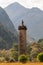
<point>26,3</point>
<point>4,3</point>
<point>38,3</point>
<point>32,3</point>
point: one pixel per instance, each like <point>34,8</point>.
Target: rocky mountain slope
<point>7,38</point>
<point>33,18</point>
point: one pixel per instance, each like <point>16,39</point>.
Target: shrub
<point>14,54</point>
<point>22,58</point>
<point>11,60</point>
<point>40,57</point>
<point>2,59</point>
<point>7,59</point>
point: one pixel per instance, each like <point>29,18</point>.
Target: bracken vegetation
<point>33,51</point>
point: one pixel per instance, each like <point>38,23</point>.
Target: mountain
<point>5,20</point>
<point>7,38</point>
<point>33,18</point>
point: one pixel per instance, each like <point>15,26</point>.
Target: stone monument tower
<point>22,39</point>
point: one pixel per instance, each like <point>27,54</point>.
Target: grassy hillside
<point>7,38</point>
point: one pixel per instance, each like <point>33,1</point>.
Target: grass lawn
<point>21,63</point>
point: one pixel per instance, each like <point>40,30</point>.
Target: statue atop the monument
<point>22,23</point>
<point>22,27</point>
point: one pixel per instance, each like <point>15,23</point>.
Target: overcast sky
<point>26,3</point>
